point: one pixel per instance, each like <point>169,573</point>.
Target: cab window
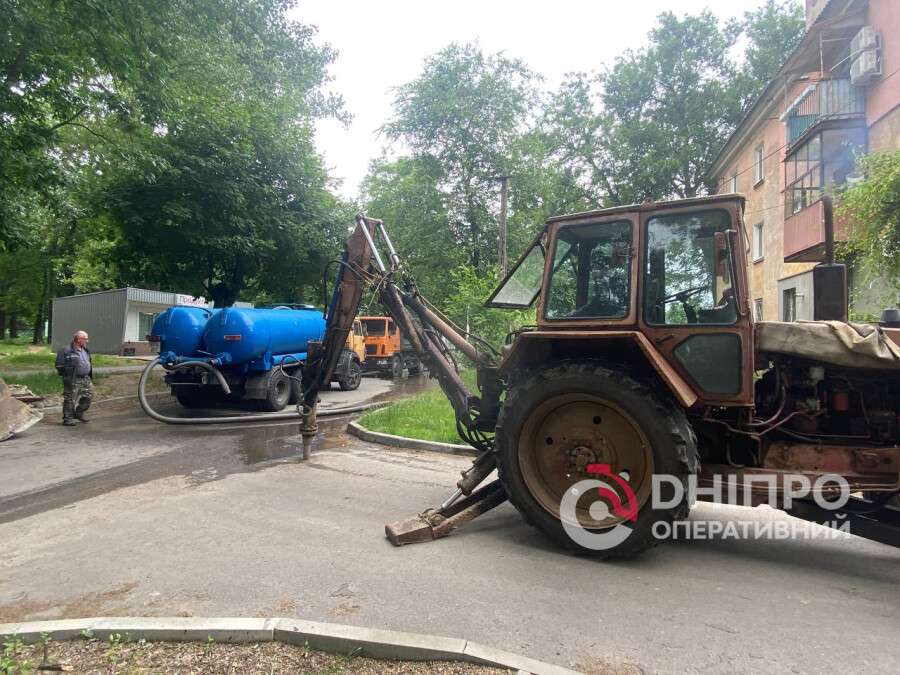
<point>687,276</point>
<point>375,328</point>
<point>591,275</point>
<point>522,285</point>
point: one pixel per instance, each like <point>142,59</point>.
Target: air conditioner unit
<point>866,38</point>
<point>865,67</point>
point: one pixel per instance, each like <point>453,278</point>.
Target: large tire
<point>396,367</point>
<point>562,418</point>
<point>349,380</point>
<point>192,397</point>
<point>278,393</point>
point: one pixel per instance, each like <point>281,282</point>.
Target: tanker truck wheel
<point>278,393</point>
<point>191,397</point>
<point>350,380</point>
<point>562,420</point>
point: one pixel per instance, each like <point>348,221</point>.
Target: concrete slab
<point>186,629</point>
<point>379,644</point>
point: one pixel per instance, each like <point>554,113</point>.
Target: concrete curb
<point>326,637</point>
<point>356,429</point>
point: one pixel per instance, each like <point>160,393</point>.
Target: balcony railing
<point>826,99</point>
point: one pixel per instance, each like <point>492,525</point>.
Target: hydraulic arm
<point>362,267</point>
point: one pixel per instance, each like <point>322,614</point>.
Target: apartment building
<point>837,96</point>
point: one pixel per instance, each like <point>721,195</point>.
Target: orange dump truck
<point>386,350</point>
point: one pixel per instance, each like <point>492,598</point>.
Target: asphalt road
<point>127,516</point>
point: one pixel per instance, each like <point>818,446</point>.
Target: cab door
<point>693,298</point>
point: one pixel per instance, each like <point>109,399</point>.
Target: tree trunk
<point>38,326</point>
<point>13,326</point>
<point>2,324</point>
<point>37,336</point>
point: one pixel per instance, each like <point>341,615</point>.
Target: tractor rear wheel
<point>578,445</point>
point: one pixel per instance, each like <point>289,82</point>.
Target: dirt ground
<point>137,658</point>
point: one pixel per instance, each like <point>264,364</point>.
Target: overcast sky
<point>382,44</point>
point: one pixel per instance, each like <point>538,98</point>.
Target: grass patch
<point>105,386</point>
<point>42,384</point>
<point>427,416</point>
<point>21,356</point>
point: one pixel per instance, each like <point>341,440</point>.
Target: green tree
<point>651,125</point>
<point>872,210</point>
<point>466,111</point>
<point>406,193</point>
<point>105,107</point>
<point>672,105</point>
<point>772,31</point>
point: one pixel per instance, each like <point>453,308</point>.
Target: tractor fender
<point>628,346</point>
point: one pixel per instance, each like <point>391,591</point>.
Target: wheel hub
<point>568,433</point>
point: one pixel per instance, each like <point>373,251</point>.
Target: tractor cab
<point>668,275</point>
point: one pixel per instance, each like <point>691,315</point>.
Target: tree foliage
<point>465,112</point>
<point>772,32</point>
<point>872,210</point>
<point>165,143</point>
<point>650,126</point>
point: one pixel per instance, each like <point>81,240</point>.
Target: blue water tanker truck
<point>259,352</point>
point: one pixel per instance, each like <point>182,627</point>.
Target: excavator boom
<point>362,267</point>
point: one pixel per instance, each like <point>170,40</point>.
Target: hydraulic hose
<point>228,419</point>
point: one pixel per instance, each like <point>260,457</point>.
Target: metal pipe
<point>364,226</point>
<point>828,208</point>
<point>205,366</point>
<point>229,419</point>
<point>395,259</point>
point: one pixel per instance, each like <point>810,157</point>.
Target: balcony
<point>823,101</point>
<point>804,234</point>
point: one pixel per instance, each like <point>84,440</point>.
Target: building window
<point>732,185</point>
<point>758,164</point>
<point>803,176</point>
<point>145,324</point>
<point>817,166</point>
<point>789,304</point>
<point>758,309</point>
<point>758,245</point>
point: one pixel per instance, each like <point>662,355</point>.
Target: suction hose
<point>230,419</point>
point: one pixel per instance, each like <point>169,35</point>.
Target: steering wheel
<point>681,296</point>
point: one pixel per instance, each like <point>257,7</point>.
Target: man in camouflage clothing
<point>73,363</point>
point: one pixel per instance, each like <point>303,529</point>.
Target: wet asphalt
<point>126,516</point>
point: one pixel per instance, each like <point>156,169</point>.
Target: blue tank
<point>240,336</point>
<point>180,330</point>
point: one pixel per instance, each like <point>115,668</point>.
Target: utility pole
<point>504,198</point>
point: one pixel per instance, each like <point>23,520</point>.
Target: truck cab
<point>386,349</point>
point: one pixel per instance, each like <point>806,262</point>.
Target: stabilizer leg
<point>436,523</point>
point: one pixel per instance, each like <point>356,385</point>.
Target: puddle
<point>272,443</point>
